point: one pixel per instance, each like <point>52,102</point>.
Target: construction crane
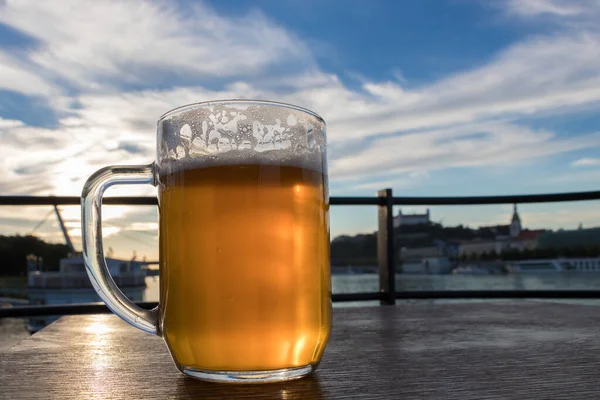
<point>63,228</point>
<point>69,243</point>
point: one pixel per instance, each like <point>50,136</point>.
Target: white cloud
<point>141,41</point>
<point>428,126</point>
<point>9,123</point>
<point>567,15</point>
<point>483,144</point>
<point>144,226</point>
<point>379,184</point>
<point>533,8</point>
<point>119,232</point>
<point>586,162</point>
<point>523,80</point>
<point>471,118</point>
<point>17,76</point>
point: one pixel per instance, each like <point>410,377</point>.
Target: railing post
<point>386,252</point>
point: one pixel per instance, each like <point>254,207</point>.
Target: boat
<point>71,284</point>
<point>554,265</point>
<point>472,270</point>
<point>426,266</point>
<point>585,264</point>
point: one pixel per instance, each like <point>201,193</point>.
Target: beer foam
<point>237,133</point>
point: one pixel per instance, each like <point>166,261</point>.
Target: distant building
<point>529,238</point>
<point>411,219</point>
<point>512,230</point>
<point>515,223</point>
<point>478,247</point>
<point>500,238</point>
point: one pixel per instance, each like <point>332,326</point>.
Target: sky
<point>429,98</point>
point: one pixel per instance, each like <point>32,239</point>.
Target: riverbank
<point>14,330</point>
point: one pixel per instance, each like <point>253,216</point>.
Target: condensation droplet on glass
<point>185,133</point>
<point>180,152</point>
<point>292,120</point>
<point>310,139</point>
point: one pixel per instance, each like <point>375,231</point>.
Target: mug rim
<point>191,106</point>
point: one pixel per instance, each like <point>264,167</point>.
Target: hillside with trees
<point>15,249</point>
<point>362,249</point>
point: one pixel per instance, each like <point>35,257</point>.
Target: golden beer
<point>244,267</point>
<point>245,285</point>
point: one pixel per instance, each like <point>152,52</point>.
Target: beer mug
<point>245,283</point>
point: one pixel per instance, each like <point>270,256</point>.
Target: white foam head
<point>240,132</point>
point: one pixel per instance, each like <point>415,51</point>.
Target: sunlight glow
<point>299,349</point>
<point>98,328</point>
<point>99,340</point>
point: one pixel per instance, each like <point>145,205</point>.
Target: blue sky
<point>432,97</point>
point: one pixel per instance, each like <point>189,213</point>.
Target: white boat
<point>472,270</point>
<point>426,266</point>
<point>585,264</point>
<point>70,284</point>
<point>555,265</point>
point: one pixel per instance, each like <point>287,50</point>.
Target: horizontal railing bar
<point>62,309</point>
<point>355,201</point>
<point>72,200</point>
<point>145,201</point>
<point>100,308</point>
<point>498,294</point>
<point>339,201</point>
<point>342,297</point>
<point>473,200</point>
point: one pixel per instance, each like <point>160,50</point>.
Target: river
<point>12,330</point>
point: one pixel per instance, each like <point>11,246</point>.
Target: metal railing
<point>386,248</point>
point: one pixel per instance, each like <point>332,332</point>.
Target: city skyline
<point>143,245</point>
<point>431,98</point>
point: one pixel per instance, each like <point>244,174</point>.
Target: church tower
<point>515,224</point>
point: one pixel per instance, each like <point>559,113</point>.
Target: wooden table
<point>520,350</point>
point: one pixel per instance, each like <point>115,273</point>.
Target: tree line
<point>15,249</point>
<point>362,249</point>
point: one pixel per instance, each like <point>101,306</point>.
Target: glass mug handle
<point>91,234</point>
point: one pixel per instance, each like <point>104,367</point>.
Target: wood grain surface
<point>520,350</point>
